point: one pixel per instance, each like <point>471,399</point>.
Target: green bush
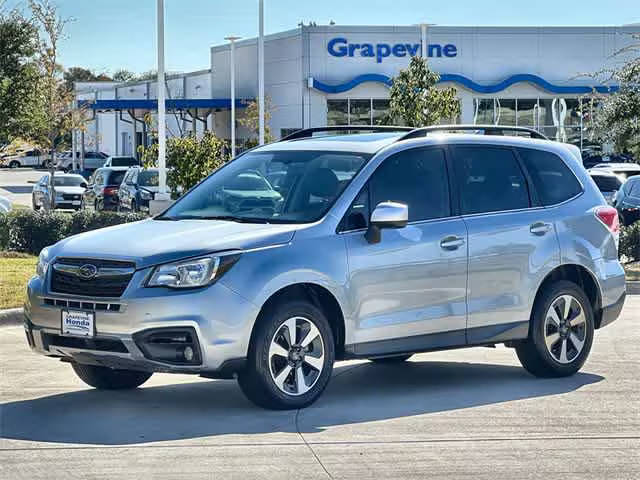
<point>629,249</point>
<point>4,232</point>
<point>28,231</point>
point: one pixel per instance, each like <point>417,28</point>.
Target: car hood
<point>71,190</point>
<point>151,242</point>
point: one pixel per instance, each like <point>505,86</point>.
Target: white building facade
<point>537,77</point>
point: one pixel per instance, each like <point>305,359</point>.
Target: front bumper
<point>221,319</point>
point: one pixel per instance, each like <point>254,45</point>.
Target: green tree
<point>54,115</point>
<point>123,75</point>
<point>18,73</point>
<point>251,118</point>
<point>618,119</point>
<point>79,74</point>
<point>416,102</point>
<point>189,159</point>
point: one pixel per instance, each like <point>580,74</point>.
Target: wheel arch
<point>321,297</point>
<point>581,276</point>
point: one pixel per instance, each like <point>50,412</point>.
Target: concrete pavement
<point>471,413</point>
<point>14,184</point>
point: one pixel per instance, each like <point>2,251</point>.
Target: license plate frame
<point>77,323</point>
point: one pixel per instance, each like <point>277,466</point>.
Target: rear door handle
<point>540,228</point>
<point>451,242</point>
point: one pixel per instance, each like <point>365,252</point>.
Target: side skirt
<point>472,337</point>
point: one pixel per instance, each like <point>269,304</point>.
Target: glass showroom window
<point>360,112</point>
<point>357,111</point>
<point>379,110</point>
<point>338,112</point>
<point>557,118</point>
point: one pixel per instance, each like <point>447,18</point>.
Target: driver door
<point>408,292</point>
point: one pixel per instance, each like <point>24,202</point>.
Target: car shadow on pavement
<point>358,393</point>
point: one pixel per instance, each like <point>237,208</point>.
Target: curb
<point>12,316</point>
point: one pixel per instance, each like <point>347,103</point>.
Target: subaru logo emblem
<point>88,271</point>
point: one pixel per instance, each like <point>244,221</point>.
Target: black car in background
<point>627,201</point>
<point>138,187</point>
<point>102,191</point>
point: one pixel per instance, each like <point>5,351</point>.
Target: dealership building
<point>539,77</point>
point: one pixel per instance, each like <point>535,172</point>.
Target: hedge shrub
<point>629,249</point>
<point>28,231</point>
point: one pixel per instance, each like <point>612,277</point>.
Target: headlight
<point>43,263</point>
<point>146,195</point>
<point>195,272</point>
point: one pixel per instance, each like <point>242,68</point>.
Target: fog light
<point>177,346</point>
<point>188,354</point>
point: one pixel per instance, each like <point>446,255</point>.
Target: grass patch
<point>15,271</point>
<point>633,271</point>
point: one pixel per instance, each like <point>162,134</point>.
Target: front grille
<point>106,286</point>
<point>98,306</point>
<point>99,344</point>
<point>69,196</point>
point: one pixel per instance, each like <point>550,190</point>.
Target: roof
<point>371,143</point>
<point>617,166</point>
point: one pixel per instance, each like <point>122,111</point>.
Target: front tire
<point>14,164</point>
<point>560,332</point>
<point>104,378</point>
<point>287,371</point>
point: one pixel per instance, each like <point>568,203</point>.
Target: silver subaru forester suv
<point>321,248</point>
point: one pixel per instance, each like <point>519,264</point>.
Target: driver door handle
<point>451,242</point>
<point>540,228</point>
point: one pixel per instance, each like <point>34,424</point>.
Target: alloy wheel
<point>565,329</point>
<point>296,356</point>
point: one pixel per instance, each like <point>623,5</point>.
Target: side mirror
<point>386,215</point>
<point>84,185</point>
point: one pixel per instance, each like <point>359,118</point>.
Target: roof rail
<point>308,132</point>
<point>479,129</point>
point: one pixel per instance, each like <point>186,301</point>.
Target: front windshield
<point>148,178</point>
<point>68,181</point>
<point>273,187</point>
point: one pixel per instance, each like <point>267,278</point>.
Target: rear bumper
<point>612,312</point>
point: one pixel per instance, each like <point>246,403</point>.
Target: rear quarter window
<point>553,180</point>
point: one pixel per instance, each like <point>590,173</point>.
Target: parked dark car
<point>102,191</point>
<point>138,187</point>
<point>627,201</point>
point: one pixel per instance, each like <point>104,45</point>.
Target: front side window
<point>489,179</point>
<point>148,178</point>
<point>272,187</point>
<point>553,180</point>
<point>417,178</point>
<point>635,188</point>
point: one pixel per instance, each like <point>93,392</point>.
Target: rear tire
<point>35,206</point>
<point>134,207</point>
<point>391,360</point>
<point>104,378</point>
<point>560,336</point>
<point>284,373</point>
<point>14,164</point>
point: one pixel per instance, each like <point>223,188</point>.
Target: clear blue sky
<point>111,34</point>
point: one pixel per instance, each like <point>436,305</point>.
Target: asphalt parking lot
<point>14,184</point>
<point>471,413</point>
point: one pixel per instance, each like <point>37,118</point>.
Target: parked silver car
<point>381,245</point>
<point>68,191</point>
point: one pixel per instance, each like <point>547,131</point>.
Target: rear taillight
<point>609,216</point>
<point>110,190</point>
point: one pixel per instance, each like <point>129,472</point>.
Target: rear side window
<point>635,188</point>
<point>606,183</point>
<point>115,177</point>
<point>489,179</point>
<point>553,180</point>
<point>417,178</point>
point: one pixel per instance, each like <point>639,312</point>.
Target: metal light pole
<point>233,39</point>
<point>162,141</point>
<point>261,72</point>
